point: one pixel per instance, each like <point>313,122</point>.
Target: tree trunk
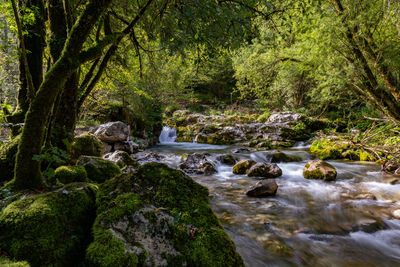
<point>34,43</point>
<point>27,171</point>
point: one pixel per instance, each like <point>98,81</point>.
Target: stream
<point>348,222</point>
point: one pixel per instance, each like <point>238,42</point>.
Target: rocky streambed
<point>351,221</point>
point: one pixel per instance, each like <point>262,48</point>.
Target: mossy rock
<point>325,148</point>
<point>4,262</point>
<point>8,152</point>
<point>319,170</point>
<point>86,144</point>
<point>122,159</point>
<point>69,174</point>
<point>158,216</point>
<point>279,156</point>
<point>99,170</point>
<point>49,229</point>
<point>243,166</point>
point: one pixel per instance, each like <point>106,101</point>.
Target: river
<point>348,222</point>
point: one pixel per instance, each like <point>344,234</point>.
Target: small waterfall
<point>168,135</point>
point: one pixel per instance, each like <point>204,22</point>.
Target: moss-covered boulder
<point>319,169</point>
<point>243,166</point>
<point>49,229</point>
<point>122,159</point>
<point>7,159</point>
<point>98,170</point>
<point>4,262</point>
<point>86,144</point>
<point>69,174</point>
<point>158,217</point>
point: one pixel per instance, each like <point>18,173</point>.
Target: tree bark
<point>27,171</point>
<point>30,59</point>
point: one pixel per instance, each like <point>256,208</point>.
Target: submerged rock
<point>49,229</point>
<point>277,157</point>
<point>197,163</point>
<point>264,188</point>
<point>112,132</point>
<point>319,169</point>
<point>243,166</point>
<point>99,170</point>
<point>158,217</point>
<point>264,170</point>
<point>227,159</point>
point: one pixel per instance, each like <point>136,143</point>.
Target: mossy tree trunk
<point>27,170</point>
<point>34,44</point>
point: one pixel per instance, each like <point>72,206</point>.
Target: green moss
<point>243,166</point>
<point>69,174</point>
<point>49,229</point>
<point>327,149</point>
<point>4,262</point>
<point>314,174</point>
<point>99,170</point>
<point>170,192</point>
<point>86,144</point>
<point>7,158</point>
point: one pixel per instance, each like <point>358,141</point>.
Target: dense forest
<point>199,133</point>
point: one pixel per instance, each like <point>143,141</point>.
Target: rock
<point>107,148</point>
<point>112,132</point>
<point>391,180</point>
<point>158,217</point>
<point>69,174</point>
<point>122,159</point>
<point>49,229</point>
<point>227,159</point>
<point>264,170</point>
<point>8,152</point>
<point>264,188</point>
<point>243,166</point>
<point>240,150</point>
<point>283,117</point>
<point>319,169</point>
<point>86,144</point>
<point>98,170</point>
<point>278,157</point>
<point>127,146</point>
<point>197,163</point>
<point>396,213</point>
<point>148,156</point>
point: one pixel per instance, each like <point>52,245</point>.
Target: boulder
<point>240,150</point>
<point>197,163</point>
<point>8,152</point>
<point>86,144</point>
<point>148,156</point>
<point>158,217</point>
<point>264,170</point>
<point>277,157</point>
<point>284,117</point>
<point>127,146</point>
<point>112,132</point>
<point>99,170</point>
<point>227,159</point>
<point>69,174</point>
<point>243,166</point>
<point>49,229</point>
<point>122,159</point>
<point>319,169</point>
<point>264,188</point>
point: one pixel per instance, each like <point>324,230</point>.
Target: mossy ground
<point>49,229</point>
<point>178,195</point>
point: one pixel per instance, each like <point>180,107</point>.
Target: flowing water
<point>348,222</point>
